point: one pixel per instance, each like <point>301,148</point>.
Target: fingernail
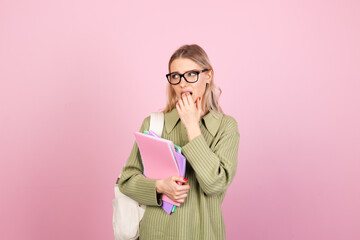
<point>199,98</point>
<point>185,179</point>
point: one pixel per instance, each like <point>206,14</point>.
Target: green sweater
<point>210,168</point>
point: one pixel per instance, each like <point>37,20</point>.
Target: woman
<point>209,140</point>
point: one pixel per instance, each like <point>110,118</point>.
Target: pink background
<point>78,77</point>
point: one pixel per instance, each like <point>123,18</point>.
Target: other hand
<point>172,189</point>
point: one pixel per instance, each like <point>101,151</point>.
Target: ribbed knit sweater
<point>210,168</point>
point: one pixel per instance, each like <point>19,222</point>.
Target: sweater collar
<point>211,120</point>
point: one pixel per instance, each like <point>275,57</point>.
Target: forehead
<point>183,64</point>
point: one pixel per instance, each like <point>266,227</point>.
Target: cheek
<point>200,88</point>
<point>176,89</point>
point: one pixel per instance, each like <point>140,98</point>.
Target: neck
<point>203,113</point>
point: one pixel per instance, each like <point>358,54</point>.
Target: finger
<point>198,103</point>
<point>178,106</point>
<point>180,200</point>
<point>185,99</point>
<point>181,103</point>
<point>183,188</point>
<point>179,179</point>
<point>190,99</point>
<point>178,193</point>
<point>174,198</point>
<point>182,196</point>
<point>181,183</point>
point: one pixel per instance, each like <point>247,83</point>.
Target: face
<point>197,89</point>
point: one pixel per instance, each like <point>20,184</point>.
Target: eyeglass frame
<point>183,75</point>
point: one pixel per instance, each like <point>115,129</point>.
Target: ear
<point>209,76</point>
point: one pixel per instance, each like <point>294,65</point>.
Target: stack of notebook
<point>161,159</point>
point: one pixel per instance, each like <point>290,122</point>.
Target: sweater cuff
<point>148,194</point>
<point>195,149</point>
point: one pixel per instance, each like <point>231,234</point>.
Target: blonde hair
<point>212,93</point>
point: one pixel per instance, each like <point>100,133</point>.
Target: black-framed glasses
<point>189,76</point>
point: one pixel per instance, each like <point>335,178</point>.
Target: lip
<point>186,92</point>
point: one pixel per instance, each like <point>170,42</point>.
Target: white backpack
<point>127,213</point>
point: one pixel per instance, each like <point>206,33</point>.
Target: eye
<point>192,73</point>
<point>175,76</point>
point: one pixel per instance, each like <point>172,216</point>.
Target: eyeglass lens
<point>191,76</point>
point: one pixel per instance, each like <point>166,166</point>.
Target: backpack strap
<point>157,122</point>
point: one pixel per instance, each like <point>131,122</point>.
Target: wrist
<point>193,127</point>
<point>193,132</point>
<point>158,185</point>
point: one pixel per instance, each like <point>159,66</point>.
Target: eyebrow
<point>187,71</point>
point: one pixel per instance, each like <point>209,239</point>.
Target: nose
<point>183,83</point>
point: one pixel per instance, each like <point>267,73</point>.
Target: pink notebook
<point>158,158</point>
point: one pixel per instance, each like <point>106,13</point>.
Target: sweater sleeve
<point>215,169</point>
<point>133,183</point>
